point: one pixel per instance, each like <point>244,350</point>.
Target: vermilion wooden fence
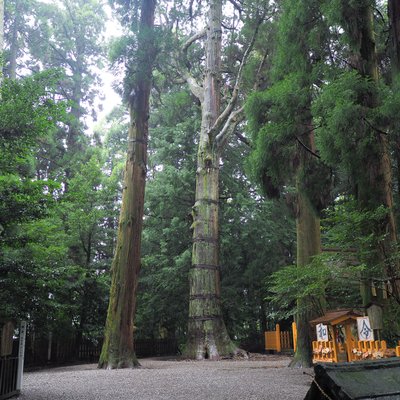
<point>279,341</point>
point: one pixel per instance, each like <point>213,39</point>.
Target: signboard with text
<point>364,329</point>
<point>322,332</point>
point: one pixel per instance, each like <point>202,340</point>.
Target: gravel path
<point>268,378</point>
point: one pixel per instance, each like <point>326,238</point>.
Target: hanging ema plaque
<point>365,331</point>
<point>322,332</point>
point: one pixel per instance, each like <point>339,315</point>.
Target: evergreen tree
<point>28,113</point>
<point>118,350</point>
<point>282,125</point>
<point>207,334</point>
<point>352,135</point>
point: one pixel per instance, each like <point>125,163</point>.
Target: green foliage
<point>349,15</point>
<point>257,238</point>
<point>336,274</point>
<point>302,34</point>
<point>27,112</point>
<point>276,117</point>
<point>360,231</point>
<point>342,121</point>
<point>124,51</point>
<point>163,285</point>
<point>22,199</point>
<point>294,290</point>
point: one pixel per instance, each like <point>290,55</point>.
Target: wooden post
<point>49,346</point>
<point>335,344</point>
<point>21,354</point>
<point>278,338</point>
<point>6,339</point>
<point>347,331</point>
<point>294,332</point>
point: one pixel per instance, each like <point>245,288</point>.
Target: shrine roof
<point>336,317</point>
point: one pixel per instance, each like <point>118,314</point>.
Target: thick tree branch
<point>197,36</point>
<point>194,86</point>
<point>307,148</point>
<point>259,75</point>
<point>237,5</point>
<point>242,138</point>
<point>223,117</point>
<point>374,127</point>
<point>229,127</point>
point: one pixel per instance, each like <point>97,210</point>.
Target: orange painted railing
<point>363,350</point>
<point>324,351</point>
<point>356,350</point>
<point>273,339</point>
<point>278,340</point>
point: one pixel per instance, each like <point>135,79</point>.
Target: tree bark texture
<point>375,185</point>
<point>308,234</point>
<point>12,62</point>
<point>308,246</point>
<point>207,334</point>
<point>118,349</point>
<point>394,21</point>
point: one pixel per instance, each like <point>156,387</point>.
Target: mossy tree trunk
<point>308,234</point>
<point>207,334</point>
<point>118,348</point>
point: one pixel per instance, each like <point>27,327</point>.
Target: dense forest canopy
<point>263,135</point>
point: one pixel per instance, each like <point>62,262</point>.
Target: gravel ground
<point>267,377</point>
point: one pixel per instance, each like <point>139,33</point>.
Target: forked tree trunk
<point>207,334</point>
<point>118,349</point>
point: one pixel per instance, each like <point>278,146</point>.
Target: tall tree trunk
<point>308,233</point>
<point>308,246</point>
<point>375,187</point>
<point>394,21</point>
<point>207,334</point>
<point>118,350</point>
<point>12,62</point>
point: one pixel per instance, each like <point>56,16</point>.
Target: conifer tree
<point>352,136</point>
<point>285,153</point>
<point>207,333</point>
<point>118,350</point>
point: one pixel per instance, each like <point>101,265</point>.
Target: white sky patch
<point>108,98</point>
